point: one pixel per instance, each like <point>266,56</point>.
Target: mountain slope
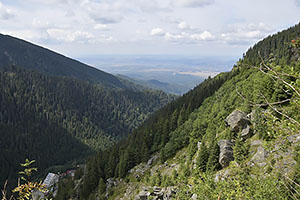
<point>59,119</point>
<point>14,51</point>
<point>262,163</point>
<point>57,110</point>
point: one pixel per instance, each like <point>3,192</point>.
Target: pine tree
<point>213,160</point>
<point>239,150</point>
<point>101,186</point>
<point>202,157</point>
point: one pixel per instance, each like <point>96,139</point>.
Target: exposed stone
<point>222,175</point>
<point>256,143</point>
<point>285,162</point>
<point>143,195</point>
<point>237,120</point>
<point>246,132</point>
<point>158,193</point>
<point>129,191</point>
<point>294,138</point>
<point>152,159</point>
<point>226,152</point>
<point>111,182</point>
<point>260,156</point>
<point>169,193</point>
<point>194,196</point>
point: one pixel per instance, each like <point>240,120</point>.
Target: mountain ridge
<point>14,51</point>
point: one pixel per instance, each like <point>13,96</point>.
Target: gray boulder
<point>260,156</point>
<point>226,152</point>
<point>237,120</point>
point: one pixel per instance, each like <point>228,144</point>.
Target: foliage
<point>26,186</point>
<point>202,157</point>
<point>57,120</point>
<point>240,150</point>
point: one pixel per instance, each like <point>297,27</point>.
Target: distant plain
<point>171,73</point>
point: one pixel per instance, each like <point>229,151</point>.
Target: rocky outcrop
<point>140,169</point>
<point>226,152</point>
<point>156,193</point>
<point>238,121</point>
<point>260,156</point>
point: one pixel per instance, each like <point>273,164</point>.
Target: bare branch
<point>281,113</point>
<point>265,104</point>
<point>277,75</point>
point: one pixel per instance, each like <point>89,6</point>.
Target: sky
<point>80,28</point>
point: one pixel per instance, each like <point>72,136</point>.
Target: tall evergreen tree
<point>202,157</point>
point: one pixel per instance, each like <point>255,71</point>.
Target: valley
<point>149,100</point>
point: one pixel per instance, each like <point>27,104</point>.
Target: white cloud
<point>37,23</point>
<point>192,3</point>
<point>103,12</point>
<point>173,37</point>
<point>56,2</point>
<point>246,33</point>
<point>106,19</point>
<point>151,6</point>
<point>71,36</point>
<point>125,24</point>
<point>157,31</point>
<point>101,27</point>
<point>184,37</point>
<point>184,26</point>
<point>5,13</point>
<point>203,36</point>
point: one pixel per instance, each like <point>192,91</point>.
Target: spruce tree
<point>213,160</point>
<point>202,157</point>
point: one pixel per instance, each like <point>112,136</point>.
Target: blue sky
<point>189,27</point>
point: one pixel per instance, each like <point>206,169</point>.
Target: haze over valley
<point>172,73</point>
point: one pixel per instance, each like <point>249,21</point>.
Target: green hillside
<point>56,120</point>
<point>14,51</point>
<point>199,153</point>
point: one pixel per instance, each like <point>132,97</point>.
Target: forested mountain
<point>55,110</point>
<point>14,51</point>
<point>58,119</point>
<point>200,152</point>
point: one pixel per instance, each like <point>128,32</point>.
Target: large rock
<point>237,120</point>
<point>226,152</point>
<point>260,156</point>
